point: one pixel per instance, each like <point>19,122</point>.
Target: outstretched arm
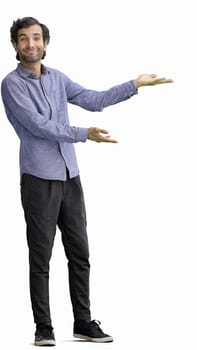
<point>150,79</point>
<point>102,135</point>
<point>98,100</point>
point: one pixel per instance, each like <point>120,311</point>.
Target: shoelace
<point>96,323</point>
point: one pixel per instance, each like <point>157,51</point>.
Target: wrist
<point>136,83</point>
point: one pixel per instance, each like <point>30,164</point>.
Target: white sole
<point>95,340</point>
<point>45,343</point>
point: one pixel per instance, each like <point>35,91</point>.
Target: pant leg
<point>72,223</point>
<point>41,203</point>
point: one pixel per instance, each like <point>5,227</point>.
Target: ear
<point>45,45</point>
<point>14,45</point>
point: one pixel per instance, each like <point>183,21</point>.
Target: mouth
<point>30,52</point>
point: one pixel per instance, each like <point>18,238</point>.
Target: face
<point>30,45</point>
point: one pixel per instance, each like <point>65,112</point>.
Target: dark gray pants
<point>48,204</point>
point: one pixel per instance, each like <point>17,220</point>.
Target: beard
<point>31,58</point>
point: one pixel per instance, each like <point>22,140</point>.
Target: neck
<point>33,67</point>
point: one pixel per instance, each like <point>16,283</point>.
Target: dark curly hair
<point>26,22</point>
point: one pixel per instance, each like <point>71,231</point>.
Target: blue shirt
<point>37,109</point>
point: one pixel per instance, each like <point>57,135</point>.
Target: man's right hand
<point>99,135</point>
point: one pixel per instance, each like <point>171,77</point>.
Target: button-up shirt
<point>37,109</point>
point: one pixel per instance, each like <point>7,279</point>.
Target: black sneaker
<point>91,331</point>
<point>44,336</point>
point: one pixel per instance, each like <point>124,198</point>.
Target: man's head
<point>20,31</point>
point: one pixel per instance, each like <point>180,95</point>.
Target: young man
<point>35,99</point>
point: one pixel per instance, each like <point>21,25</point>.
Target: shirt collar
<point>26,73</point>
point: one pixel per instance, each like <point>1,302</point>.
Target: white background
<point>141,194</point>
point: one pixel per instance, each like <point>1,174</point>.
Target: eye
<point>37,38</point>
<point>22,38</point>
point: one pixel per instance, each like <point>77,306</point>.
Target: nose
<point>30,43</point>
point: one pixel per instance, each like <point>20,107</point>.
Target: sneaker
<point>91,331</point>
<point>44,336</point>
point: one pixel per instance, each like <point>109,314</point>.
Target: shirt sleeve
<point>93,100</point>
<point>19,106</point>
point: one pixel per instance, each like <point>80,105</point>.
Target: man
<point>35,99</point>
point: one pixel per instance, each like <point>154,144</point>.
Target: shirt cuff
<point>134,90</point>
<point>81,134</point>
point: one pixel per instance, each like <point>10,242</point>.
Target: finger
<point>159,79</point>
<point>111,141</point>
<point>167,81</point>
<point>108,139</point>
<point>153,75</point>
<point>105,138</point>
<point>163,81</point>
<point>102,131</point>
